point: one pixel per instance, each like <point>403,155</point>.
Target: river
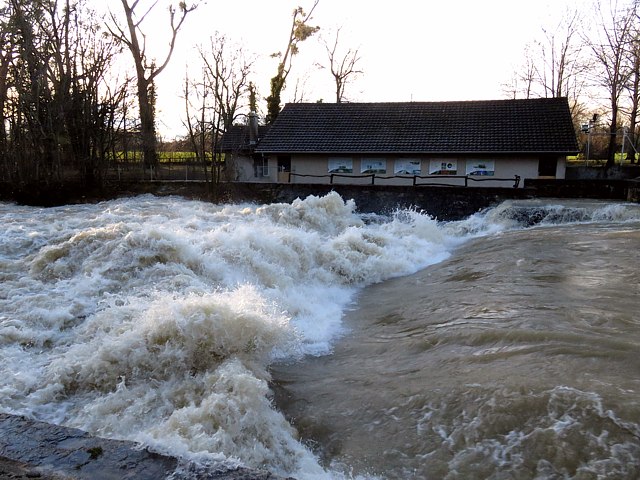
<point>315,342</point>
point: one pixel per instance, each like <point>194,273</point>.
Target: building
<point>476,143</point>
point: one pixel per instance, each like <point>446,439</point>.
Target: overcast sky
<point>412,50</point>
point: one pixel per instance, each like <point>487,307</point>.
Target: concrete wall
<point>245,171</point>
<point>445,203</point>
<point>582,172</point>
<point>606,189</point>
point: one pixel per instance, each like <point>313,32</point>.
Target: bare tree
<point>195,122</point>
<point>562,57</point>
<point>219,95</point>
<point>633,91</point>
<point>7,52</point>
<point>556,65</point>
<point>523,80</point>
<point>343,67</point>
<point>58,113</point>
<point>227,71</point>
<point>300,90</point>
<point>147,70</point>
<point>300,31</point>
<point>610,52</point>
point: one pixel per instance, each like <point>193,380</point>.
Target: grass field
<point>163,157</point>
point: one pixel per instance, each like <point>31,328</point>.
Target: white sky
<point>420,50</point>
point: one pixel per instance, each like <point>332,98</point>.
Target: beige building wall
<point>400,170</point>
<point>245,171</point>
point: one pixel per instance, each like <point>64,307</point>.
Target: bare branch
<point>342,68</point>
<point>133,7</point>
<point>174,34</point>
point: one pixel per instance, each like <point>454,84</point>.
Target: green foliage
<point>163,157</point>
<point>253,103</point>
<point>273,100</point>
<point>300,31</point>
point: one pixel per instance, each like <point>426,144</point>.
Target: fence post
<point>373,179</point>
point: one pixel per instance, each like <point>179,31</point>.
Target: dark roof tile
<point>237,138</point>
<point>508,126</point>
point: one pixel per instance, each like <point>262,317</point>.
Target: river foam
<point>156,319</point>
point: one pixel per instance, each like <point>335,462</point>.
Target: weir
<point>157,319</point>
<point>442,202</point>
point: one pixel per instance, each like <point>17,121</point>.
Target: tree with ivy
<point>300,31</point>
<point>253,98</point>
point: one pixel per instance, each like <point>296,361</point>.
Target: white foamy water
<point>155,319</point>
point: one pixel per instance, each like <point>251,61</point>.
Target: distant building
<point>478,143</point>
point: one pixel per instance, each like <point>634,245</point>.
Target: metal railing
<point>415,178</point>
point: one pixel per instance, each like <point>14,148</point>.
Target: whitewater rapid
<point>156,319</point>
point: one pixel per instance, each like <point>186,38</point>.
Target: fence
<point>416,178</point>
<point>165,170</point>
<point>189,170</point>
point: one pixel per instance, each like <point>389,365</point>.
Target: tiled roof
<point>506,126</point>
<point>236,138</point>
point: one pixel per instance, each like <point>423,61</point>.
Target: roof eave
<point>412,152</point>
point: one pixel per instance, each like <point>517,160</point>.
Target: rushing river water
<point>314,342</point>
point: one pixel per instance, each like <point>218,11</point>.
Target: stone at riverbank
<point>32,449</point>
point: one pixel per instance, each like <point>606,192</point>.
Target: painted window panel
<point>340,165</point>
<point>443,167</point>
<point>407,166</point>
<point>481,167</point>
<point>373,165</point>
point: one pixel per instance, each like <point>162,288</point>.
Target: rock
<point>32,449</point>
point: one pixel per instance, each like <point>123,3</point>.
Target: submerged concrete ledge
<point>33,449</point>
<point>442,202</point>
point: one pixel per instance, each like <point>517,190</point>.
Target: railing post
<point>331,180</point>
<point>517,183</point>
<point>373,179</point>
<point>466,180</point>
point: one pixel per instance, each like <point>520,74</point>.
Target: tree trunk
<point>147,124</point>
<point>611,149</point>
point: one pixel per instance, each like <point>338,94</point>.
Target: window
<point>261,168</point>
<point>443,167</point>
<point>481,167</point>
<point>373,165</point>
<point>407,166</point>
<point>340,165</point>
